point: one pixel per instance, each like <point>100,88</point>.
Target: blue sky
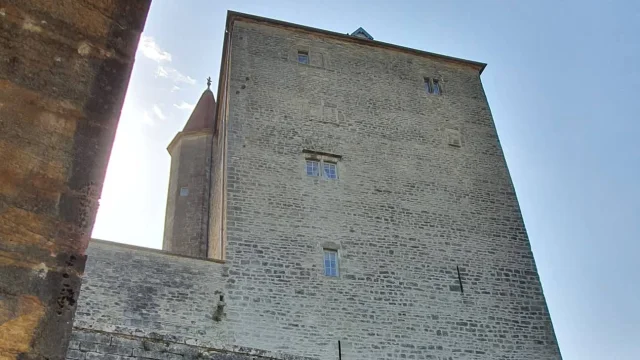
<point>562,81</point>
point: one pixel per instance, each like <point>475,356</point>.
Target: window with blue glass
<point>427,85</point>
<point>330,171</point>
<point>303,57</point>
<point>436,87</point>
<point>432,86</point>
<point>326,169</point>
<point>330,262</point>
<point>313,168</point>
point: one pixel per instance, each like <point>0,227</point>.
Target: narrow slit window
<point>330,263</point>
<point>427,85</point>
<point>303,57</point>
<point>313,168</point>
<point>330,170</point>
<point>436,87</point>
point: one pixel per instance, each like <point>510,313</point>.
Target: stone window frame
<point>332,247</point>
<point>321,159</point>
<point>331,256</point>
<point>312,167</point>
<point>433,86</point>
<point>328,165</point>
<point>315,58</point>
<point>305,55</point>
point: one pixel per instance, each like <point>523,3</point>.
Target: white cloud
<point>184,106</point>
<point>175,88</point>
<point>150,49</point>
<point>173,74</point>
<point>158,112</point>
<point>147,119</point>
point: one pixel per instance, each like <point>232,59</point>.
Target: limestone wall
<point>64,73</point>
<point>407,212</point>
<point>151,294</point>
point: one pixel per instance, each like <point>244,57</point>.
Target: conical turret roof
<point>204,113</point>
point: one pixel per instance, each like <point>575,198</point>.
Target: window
<point>427,85</point>
<point>303,57</point>
<point>432,86</point>
<point>321,164</point>
<point>330,262</point>
<point>436,87</point>
<point>330,171</point>
<point>184,191</point>
<point>312,168</point>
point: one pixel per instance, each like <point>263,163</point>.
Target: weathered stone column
<point>64,70</point>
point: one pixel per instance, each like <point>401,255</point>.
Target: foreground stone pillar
<point>64,70</point>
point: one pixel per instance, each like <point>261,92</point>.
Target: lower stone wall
<point>151,293</point>
<point>90,344</point>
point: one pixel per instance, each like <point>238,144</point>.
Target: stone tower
<point>368,202</point>
<point>360,207</point>
<point>185,228</point>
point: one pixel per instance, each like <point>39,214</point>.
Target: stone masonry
<point>94,345</point>
<point>64,70</point>
<point>187,216</point>
<point>407,210</point>
<point>433,256</point>
<point>142,303</point>
<point>187,201</point>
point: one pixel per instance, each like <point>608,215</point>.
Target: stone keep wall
<point>407,211</point>
<point>186,216</point>
<point>151,294</point>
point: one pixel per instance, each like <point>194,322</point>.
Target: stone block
<point>102,356</point>
<point>75,354</point>
<point>91,337</point>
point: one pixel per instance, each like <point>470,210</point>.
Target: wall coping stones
<point>151,250</point>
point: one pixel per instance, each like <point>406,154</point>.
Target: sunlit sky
<point>563,83</point>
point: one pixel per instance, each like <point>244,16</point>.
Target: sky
<point>562,80</point>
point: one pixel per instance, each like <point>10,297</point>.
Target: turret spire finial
<point>209,82</point>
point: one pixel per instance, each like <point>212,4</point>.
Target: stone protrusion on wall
<point>64,70</point>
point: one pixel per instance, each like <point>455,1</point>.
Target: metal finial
<point>209,82</point>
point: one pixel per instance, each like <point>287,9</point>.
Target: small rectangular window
<point>184,191</point>
<point>313,168</point>
<point>436,87</point>
<point>330,262</point>
<point>432,86</point>
<point>330,170</point>
<point>303,57</point>
<point>427,85</point>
